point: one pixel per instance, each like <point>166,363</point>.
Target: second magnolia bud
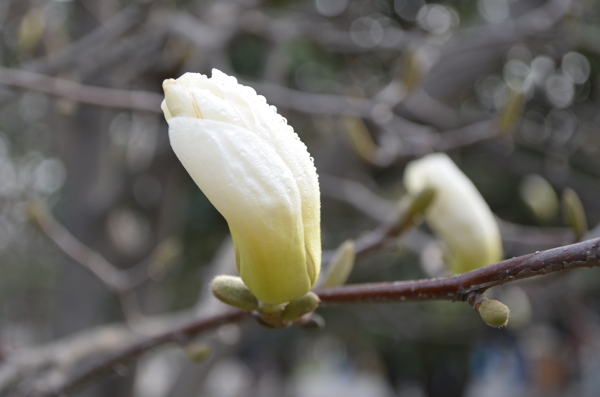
<point>458,215</point>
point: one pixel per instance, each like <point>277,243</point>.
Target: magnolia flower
<point>257,173</point>
<point>458,215</point>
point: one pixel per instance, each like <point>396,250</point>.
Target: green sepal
<point>301,306</point>
<point>341,265</point>
<point>421,201</point>
<point>232,291</point>
<point>573,213</point>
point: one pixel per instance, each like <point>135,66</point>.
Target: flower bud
<point>458,216</point>
<point>494,313</point>
<point>540,197</point>
<point>301,306</point>
<point>340,265</point>
<point>258,174</point>
<point>573,213</point>
<point>197,352</point>
<point>232,291</point>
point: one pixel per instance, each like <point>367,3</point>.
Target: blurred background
<point>104,237</point>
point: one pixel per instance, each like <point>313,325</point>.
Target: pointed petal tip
<point>168,82</point>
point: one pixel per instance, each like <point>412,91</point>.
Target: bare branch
<point>73,248</point>
<point>107,97</point>
<point>466,286</point>
<point>419,140</point>
<point>63,355</point>
<point>90,43</point>
<point>106,366</point>
<point>357,195</point>
<point>119,281</point>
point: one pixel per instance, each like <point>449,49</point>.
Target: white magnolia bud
<point>258,174</point>
<point>459,215</point>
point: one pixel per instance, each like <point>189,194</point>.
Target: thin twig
<point>142,101</point>
<point>117,280</point>
<point>90,44</point>
<point>91,260</point>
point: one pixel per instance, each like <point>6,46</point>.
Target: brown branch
<point>466,286</point>
<point>107,365</point>
<point>463,287</point>
<point>107,97</point>
<point>62,356</point>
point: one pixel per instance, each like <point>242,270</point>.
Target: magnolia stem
<point>463,287</point>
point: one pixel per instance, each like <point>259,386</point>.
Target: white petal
<point>239,97</point>
<point>214,107</point>
<point>178,100</point>
<point>255,190</point>
<point>264,120</point>
<point>165,109</point>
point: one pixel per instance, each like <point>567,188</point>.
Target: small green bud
<point>197,352</point>
<point>412,209</point>
<point>573,212</point>
<point>164,256</point>
<point>360,138</point>
<point>540,197</point>
<point>511,112</point>
<point>232,291</point>
<point>340,266</point>
<point>413,70</point>
<point>421,201</point>
<point>301,306</point>
<point>494,313</point>
<point>36,212</point>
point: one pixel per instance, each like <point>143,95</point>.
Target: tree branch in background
<point>179,335</point>
<point>106,97</point>
<point>417,139</point>
<point>62,356</point>
<point>117,280</point>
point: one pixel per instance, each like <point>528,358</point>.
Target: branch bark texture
<point>466,286</point>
